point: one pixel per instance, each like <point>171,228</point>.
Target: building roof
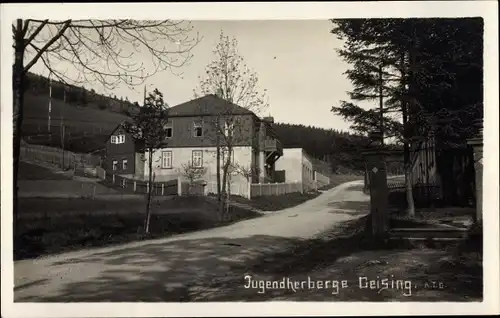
<point>207,105</point>
<point>120,125</point>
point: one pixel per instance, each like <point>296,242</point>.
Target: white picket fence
<point>252,190</point>
<point>266,189</point>
<point>321,180</point>
<point>236,188</point>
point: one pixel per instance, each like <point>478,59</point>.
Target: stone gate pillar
<point>477,146</point>
<point>377,175</point>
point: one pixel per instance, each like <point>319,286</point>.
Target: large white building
<point>192,141</point>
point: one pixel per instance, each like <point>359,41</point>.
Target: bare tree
<point>148,131</point>
<point>248,172</point>
<point>228,77</point>
<point>192,173</point>
<point>101,51</point>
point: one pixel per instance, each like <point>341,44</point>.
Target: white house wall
<point>139,165</point>
<point>298,167</point>
<point>291,162</point>
<point>183,156</point>
<point>307,172</point>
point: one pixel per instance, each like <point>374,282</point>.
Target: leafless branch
<point>108,51</point>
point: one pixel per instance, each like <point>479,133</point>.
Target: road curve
<point>160,270</point>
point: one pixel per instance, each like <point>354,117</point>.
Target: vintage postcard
<point>249,159</point>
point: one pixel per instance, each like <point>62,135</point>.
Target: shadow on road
<point>214,269</point>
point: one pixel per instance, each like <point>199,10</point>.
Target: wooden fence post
<point>147,187</point>
<point>162,189</point>
<point>135,185</point>
<point>113,178</point>
<point>249,190</point>
<point>179,186</point>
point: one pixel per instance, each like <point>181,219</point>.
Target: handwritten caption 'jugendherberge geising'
<point>377,284</point>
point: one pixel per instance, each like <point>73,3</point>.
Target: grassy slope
<point>79,223</point>
<point>29,171</point>
<point>86,127</point>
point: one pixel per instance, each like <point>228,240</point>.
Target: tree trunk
<point>223,199</point>
<point>150,190</point>
<point>407,166</point>
<point>217,145</point>
<point>18,99</point>
<point>224,193</point>
<point>366,185</point>
<point>410,210</point>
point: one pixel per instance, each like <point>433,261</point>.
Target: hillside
<point>85,128</point>
<point>89,118</point>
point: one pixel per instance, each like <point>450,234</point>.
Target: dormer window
<point>198,128</point>
<point>228,129</point>
<point>118,139</point>
<point>169,129</point>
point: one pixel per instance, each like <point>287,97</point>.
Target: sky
<point>295,60</point>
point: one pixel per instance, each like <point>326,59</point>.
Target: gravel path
<point>165,269</point>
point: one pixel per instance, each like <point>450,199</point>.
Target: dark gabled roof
<point>116,128</point>
<point>207,105</point>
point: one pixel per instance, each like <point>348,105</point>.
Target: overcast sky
<point>295,61</point>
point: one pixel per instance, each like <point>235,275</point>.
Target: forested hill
<point>78,95</point>
<point>340,149</point>
<point>335,150</point>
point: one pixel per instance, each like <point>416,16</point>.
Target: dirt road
<point>168,269</point>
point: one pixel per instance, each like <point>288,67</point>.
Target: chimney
<point>269,120</point>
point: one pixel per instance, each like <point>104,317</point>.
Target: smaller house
<point>296,166</point>
<point>123,155</point>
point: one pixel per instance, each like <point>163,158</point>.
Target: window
<point>118,139</point>
<point>124,164</point>
<point>198,129</point>
<point>197,158</point>
<point>169,129</point>
<point>115,165</point>
<point>228,129</point>
<point>166,159</point>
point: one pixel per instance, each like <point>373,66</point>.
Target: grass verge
<point>30,171</point>
<point>48,226</point>
<point>338,179</point>
<point>276,202</point>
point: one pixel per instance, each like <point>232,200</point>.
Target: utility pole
<point>62,127</point>
<point>50,102</point>
<point>62,144</point>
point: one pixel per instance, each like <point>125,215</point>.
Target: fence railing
<point>321,180</point>
<point>58,157</point>
<point>424,195</point>
<point>127,185</point>
<point>183,187</point>
<point>266,189</point>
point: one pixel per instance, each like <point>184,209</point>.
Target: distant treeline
<point>341,150</point>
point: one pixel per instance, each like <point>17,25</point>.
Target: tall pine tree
<point>412,64</point>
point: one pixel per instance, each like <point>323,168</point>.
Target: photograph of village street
<point>232,160</point>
